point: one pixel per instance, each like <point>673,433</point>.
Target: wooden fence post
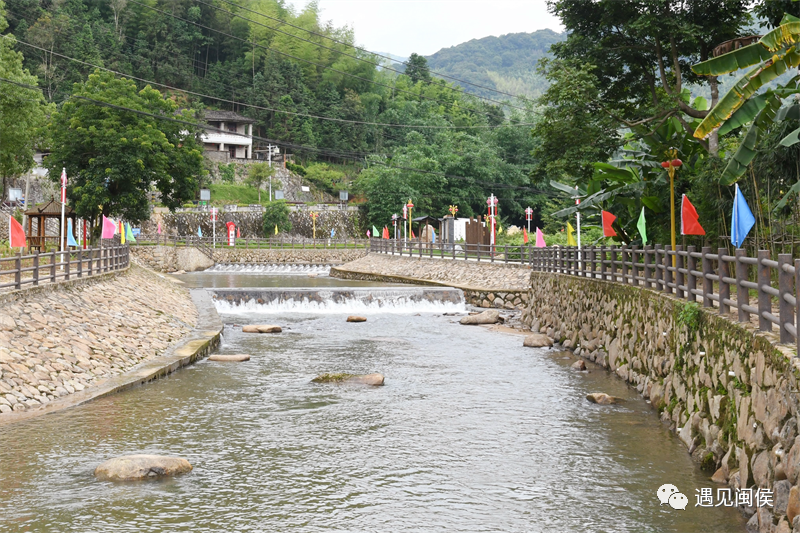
<point>53,266</point>
<point>602,262</point>
<point>764,299</point>
<point>80,262</point>
<point>657,266</point>
<point>785,288</point>
<point>18,270</point>
<point>708,284</point>
<point>647,269</point>
<point>679,266</point>
<point>691,279</point>
<point>36,268</point>
<point>724,288</point>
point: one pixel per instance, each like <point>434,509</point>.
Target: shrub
<point>276,213</point>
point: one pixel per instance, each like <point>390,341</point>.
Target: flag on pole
<point>540,239</point>
<point>333,232</point>
<point>374,232</point>
<point>238,235</point>
<point>129,233</point>
<point>385,232</point>
<point>742,219</point>
<point>525,235</point>
<point>63,185</point>
<point>276,229</point>
<point>642,227</point>
<point>368,234</point>
<point>159,227</point>
<point>412,234</point>
<point>108,228</point>
<point>690,224</point>
<point>433,236</point>
<point>570,237</point>
<point>608,219</point>
<point>121,232</point>
<point>70,236</point>
<point>16,233</point>
<point>199,232</point>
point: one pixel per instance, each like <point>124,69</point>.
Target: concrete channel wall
<point>728,391</point>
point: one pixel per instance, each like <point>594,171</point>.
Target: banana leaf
<point>747,149</point>
<point>746,87</point>
<point>652,203</point>
<point>745,114</point>
<point>744,57</point>
<point>784,35</point>
<point>791,139</point>
<point>790,112</point>
<point>793,190</point>
<point>566,188</point>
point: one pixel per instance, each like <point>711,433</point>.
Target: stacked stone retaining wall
<point>729,392</point>
<point>60,339</point>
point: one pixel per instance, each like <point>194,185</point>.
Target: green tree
<point>417,69</point>
<point>115,148</point>
<point>22,110</point>
<point>258,174</point>
<point>276,213</point>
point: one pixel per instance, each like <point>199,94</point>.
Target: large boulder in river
<point>229,358</point>
<point>603,398</point>
<point>353,318</point>
<point>487,317</point>
<point>537,340</point>
<point>136,467</point>
<point>364,379</point>
<point>263,328</point>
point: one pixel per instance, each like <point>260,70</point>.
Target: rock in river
<point>229,357</point>
<point>263,328</point>
<point>136,467</point>
<point>365,379</point>
<point>579,365</point>
<point>353,318</point>
<point>487,317</point>
<point>537,340</point>
<point>602,398</point>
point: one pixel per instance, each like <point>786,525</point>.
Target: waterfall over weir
<point>339,300</point>
<point>270,268</point>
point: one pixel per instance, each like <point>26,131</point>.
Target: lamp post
<point>394,223</point>
<point>314,216</point>
<point>529,217</point>
<point>410,206</point>
<point>671,166</point>
<point>492,203</point>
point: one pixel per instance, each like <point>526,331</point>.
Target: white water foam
<point>273,268</point>
<point>401,301</point>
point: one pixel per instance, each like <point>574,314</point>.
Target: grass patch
<point>332,378</point>
<point>229,193</point>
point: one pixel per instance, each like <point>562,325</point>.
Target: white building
<point>236,139</point>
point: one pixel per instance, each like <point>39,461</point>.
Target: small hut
<point>41,213</point>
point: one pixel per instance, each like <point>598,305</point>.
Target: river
<point>472,432</point>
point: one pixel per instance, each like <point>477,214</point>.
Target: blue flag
<point>333,233</point>
<point>433,236</point>
<point>742,219</point>
<point>70,238</point>
<point>199,232</point>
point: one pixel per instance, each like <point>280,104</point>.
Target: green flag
<point>642,227</point>
<point>375,232</point>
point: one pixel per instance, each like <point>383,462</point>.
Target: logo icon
<point>670,495</point>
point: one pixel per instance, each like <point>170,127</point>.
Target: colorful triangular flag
<point>70,236</point>
<point>374,232</point>
<point>238,235</point>
<point>109,228</point>
<point>525,235</point>
<point>276,229</point>
<point>159,227</point>
<point>742,219</point>
<point>570,235</point>
<point>16,233</point>
<point>608,219</point>
<point>433,236</point>
<point>540,239</point>
<point>129,233</point>
<point>199,232</point>
<point>690,224</point>
<point>642,227</point>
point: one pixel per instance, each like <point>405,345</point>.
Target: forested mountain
<point>308,88</point>
<point>506,63</point>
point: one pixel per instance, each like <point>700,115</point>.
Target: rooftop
<point>226,116</point>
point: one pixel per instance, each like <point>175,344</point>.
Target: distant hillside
<point>506,63</point>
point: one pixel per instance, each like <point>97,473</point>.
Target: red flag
<point>525,235</point>
<point>385,232</point>
<point>608,219</point>
<point>690,224</point>
<point>412,234</point>
<point>238,235</point>
<point>16,232</point>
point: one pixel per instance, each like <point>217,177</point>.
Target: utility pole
<point>270,148</point>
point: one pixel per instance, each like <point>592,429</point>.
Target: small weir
<point>339,300</point>
<point>270,268</point>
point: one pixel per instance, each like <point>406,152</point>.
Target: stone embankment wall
<point>63,338</point>
<point>730,393</point>
<point>484,284</point>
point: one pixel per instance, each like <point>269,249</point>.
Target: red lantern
<point>676,162</point>
<point>665,164</point>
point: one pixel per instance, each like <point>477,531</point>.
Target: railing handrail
<point>56,266</point>
<point>675,272</point>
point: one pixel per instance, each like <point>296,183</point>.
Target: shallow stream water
<point>472,432</point>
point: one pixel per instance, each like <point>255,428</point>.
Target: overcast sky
<point>401,27</point>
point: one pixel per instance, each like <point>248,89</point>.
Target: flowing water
<point>472,432</point>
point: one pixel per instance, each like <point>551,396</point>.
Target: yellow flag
<point>121,234</point>
<point>570,237</point>
<point>276,229</point>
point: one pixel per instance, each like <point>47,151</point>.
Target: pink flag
<point>540,239</point>
<point>109,228</point>
<point>159,228</point>
<point>16,233</point>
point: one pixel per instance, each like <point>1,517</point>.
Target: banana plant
<point>771,56</point>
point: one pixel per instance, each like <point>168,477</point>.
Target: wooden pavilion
<point>41,213</point>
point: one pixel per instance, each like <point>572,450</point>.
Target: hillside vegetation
<point>506,63</point>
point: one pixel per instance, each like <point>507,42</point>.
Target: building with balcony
<point>234,141</point>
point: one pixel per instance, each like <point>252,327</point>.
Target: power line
<point>338,51</point>
<point>263,108</point>
<point>364,50</point>
<point>254,45</point>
